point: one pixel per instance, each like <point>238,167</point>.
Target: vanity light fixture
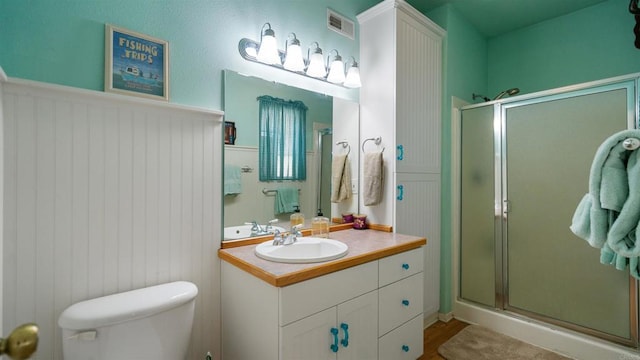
<point>316,67</point>
<point>291,59</point>
<point>353,75</point>
<point>268,50</point>
<point>336,68</point>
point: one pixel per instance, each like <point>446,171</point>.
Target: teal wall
<point>590,44</point>
<point>465,73</point>
<point>241,106</point>
<point>62,42</point>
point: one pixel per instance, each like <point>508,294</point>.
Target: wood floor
<point>437,334</point>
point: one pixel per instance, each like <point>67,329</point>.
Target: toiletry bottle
<point>297,217</point>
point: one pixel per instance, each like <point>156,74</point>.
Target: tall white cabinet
<point>400,102</point>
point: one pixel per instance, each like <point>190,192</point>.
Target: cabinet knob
<point>334,346</point>
<point>405,348</point>
<point>405,302</point>
<point>405,266</point>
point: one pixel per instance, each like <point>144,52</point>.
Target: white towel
<point>373,177</point>
<point>340,178</point>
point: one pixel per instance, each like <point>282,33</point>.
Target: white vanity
<point>365,305</point>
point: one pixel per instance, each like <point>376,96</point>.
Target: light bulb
<point>353,77</point>
<point>293,60</point>
<point>316,64</point>
<point>336,71</point>
<point>268,51</point>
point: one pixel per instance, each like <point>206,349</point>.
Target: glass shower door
<point>550,273</point>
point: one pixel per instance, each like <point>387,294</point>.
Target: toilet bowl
<point>148,323</point>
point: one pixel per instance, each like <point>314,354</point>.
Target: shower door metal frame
<point>631,84</point>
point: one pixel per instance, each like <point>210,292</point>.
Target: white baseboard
<point>445,317</point>
<point>429,319</point>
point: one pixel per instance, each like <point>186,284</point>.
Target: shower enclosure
<point>524,167</point>
<point>323,165</point>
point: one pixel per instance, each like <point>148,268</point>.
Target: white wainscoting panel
<point>104,194</point>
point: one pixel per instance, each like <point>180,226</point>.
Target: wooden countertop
<point>364,246</point>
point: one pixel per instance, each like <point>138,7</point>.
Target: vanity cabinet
<point>400,101</point>
<point>357,313</point>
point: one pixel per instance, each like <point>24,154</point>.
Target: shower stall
<point>324,139</point>
<point>524,166</point>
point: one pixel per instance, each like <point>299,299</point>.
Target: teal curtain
<point>282,142</point>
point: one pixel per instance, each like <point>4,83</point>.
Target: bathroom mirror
<point>332,127</point>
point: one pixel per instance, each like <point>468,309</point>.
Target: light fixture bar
<point>248,49</point>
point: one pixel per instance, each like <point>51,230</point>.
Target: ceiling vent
<point>340,24</point>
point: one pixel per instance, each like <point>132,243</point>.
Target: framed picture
<point>136,64</point>
<point>230,132</point>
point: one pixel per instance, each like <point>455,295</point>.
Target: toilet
<point>148,323</point>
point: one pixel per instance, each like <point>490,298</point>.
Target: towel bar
<point>631,143</point>
<point>267,191</point>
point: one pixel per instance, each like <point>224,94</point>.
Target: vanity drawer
<point>308,297</point>
<point>399,302</point>
<point>404,342</point>
<point>399,266</point>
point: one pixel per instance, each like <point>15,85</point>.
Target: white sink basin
<point>305,250</point>
<point>244,231</point>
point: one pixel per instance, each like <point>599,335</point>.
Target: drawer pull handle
<point>334,346</point>
<point>345,328</point>
<point>405,348</point>
<point>405,266</point>
<point>400,155</point>
<point>400,195</point>
<point>405,302</point>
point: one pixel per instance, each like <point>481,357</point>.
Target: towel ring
<point>376,141</point>
<point>345,144</point>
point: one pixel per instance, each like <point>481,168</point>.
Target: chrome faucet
<point>255,228</point>
<point>289,238</point>
<point>269,226</point>
<point>293,235</point>
<point>277,238</point>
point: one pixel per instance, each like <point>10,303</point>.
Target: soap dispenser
<point>297,218</point>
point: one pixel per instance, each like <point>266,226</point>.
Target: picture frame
<point>136,64</point>
<point>230,132</point>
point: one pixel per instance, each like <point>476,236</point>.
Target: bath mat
<point>479,343</point>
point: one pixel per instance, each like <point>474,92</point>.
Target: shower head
<point>509,92</point>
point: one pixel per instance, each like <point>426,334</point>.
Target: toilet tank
<point>148,323</point>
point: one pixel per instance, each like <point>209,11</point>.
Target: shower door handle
<point>506,206</point>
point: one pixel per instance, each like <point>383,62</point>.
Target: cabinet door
<point>418,88</point>
<point>310,338</point>
<point>358,317</point>
<point>418,213</point>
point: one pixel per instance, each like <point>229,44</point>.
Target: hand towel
<point>607,217</point>
<point>340,178</point>
<point>373,178</point>
<point>232,180</point>
<point>286,200</point>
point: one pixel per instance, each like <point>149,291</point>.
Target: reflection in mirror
<point>250,204</point>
